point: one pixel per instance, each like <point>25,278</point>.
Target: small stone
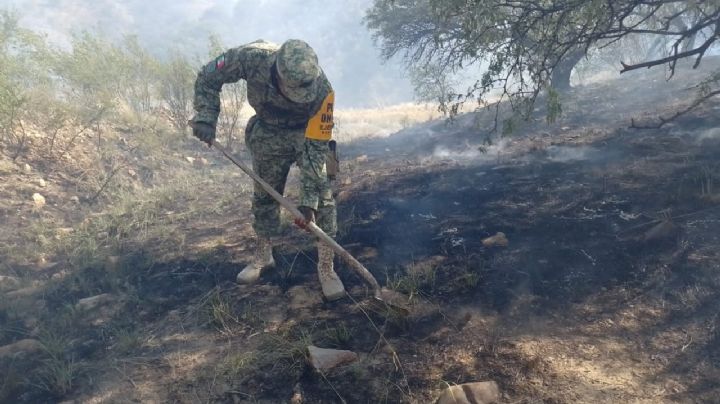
<point>41,182</point>
<point>90,303</point>
<point>112,263</point>
<point>39,200</point>
<point>190,159</point>
<point>21,348</point>
<point>362,159</point>
<point>343,196</point>
<point>75,199</point>
<point>297,397</point>
<point>475,393</point>
<point>132,172</point>
<point>58,276</point>
<point>325,359</point>
<point>27,168</point>
<point>64,231</point>
<point>498,240</point>
<point>203,161</point>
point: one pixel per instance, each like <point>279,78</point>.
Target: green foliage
<point>70,95</point>
<point>221,313</point>
<point>23,81</point>
<point>525,47</point>
<point>176,89</point>
<point>554,107</point>
<point>433,83</point>
<point>58,372</point>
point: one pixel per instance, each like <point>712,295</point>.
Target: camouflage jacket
<point>254,64</point>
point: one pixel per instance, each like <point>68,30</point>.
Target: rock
<point>41,182</point>
<point>22,347</point>
<point>39,200</point>
<point>498,240</point>
<point>190,160</point>
<point>362,159</point>
<point>75,199</point>
<point>90,303</point>
<point>99,310</point>
<point>343,196</point>
<point>64,231</point>
<point>9,282</point>
<point>471,393</point>
<point>23,293</point>
<point>27,168</point>
<point>325,359</point>
<point>58,276</point>
<point>297,397</point>
<point>132,172</point>
<point>662,231</point>
<point>112,263</point>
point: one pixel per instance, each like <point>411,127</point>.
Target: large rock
<point>20,348</point>
<point>471,393</point>
<point>325,359</point>
<point>38,200</point>
<point>9,282</point>
<point>91,303</point>
<point>498,240</point>
<point>101,309</point>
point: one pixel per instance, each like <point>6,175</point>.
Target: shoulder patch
<point>216,64</point>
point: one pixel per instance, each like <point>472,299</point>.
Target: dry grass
<point>355,123</point>
<point>352,124</point>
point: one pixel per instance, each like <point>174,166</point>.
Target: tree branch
<point>681,55</point>
<point>677,114</point>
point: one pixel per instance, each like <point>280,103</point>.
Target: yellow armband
<point>320,126</point>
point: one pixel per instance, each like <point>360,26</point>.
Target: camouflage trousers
<point>273,151</point>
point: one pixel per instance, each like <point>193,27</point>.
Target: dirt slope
<point>606,293</point>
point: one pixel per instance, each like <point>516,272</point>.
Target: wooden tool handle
<point>312,227</point>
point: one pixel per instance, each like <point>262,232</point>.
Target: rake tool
<point>389,297</point>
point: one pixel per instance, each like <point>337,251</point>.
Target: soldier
<point>293,102</point>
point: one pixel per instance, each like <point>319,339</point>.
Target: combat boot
<point>262,259</point>
<point>332,286</point>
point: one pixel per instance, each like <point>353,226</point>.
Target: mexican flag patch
<point>216,64</point>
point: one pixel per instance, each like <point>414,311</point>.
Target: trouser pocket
<point>332,162</point>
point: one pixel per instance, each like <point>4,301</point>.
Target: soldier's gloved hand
<point>203,131</point>
<point>309,216</point>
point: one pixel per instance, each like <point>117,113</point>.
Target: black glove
<point>203,131</point>
<point>308,213</point>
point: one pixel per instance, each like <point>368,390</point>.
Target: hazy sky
<point>333,28</point>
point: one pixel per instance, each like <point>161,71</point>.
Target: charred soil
<point>607,290</point>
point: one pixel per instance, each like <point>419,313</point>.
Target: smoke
<point>564,154</point>
<point>708,134</point>
<point>334,29</point>
<point>473,153</point>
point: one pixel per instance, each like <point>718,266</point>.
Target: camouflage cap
<point>298,70</point>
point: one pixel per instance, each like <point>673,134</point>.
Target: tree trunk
<point>560,80</point>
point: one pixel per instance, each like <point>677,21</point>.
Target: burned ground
<point>606,292</point>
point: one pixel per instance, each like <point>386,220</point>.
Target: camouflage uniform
<point>280,133</point>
